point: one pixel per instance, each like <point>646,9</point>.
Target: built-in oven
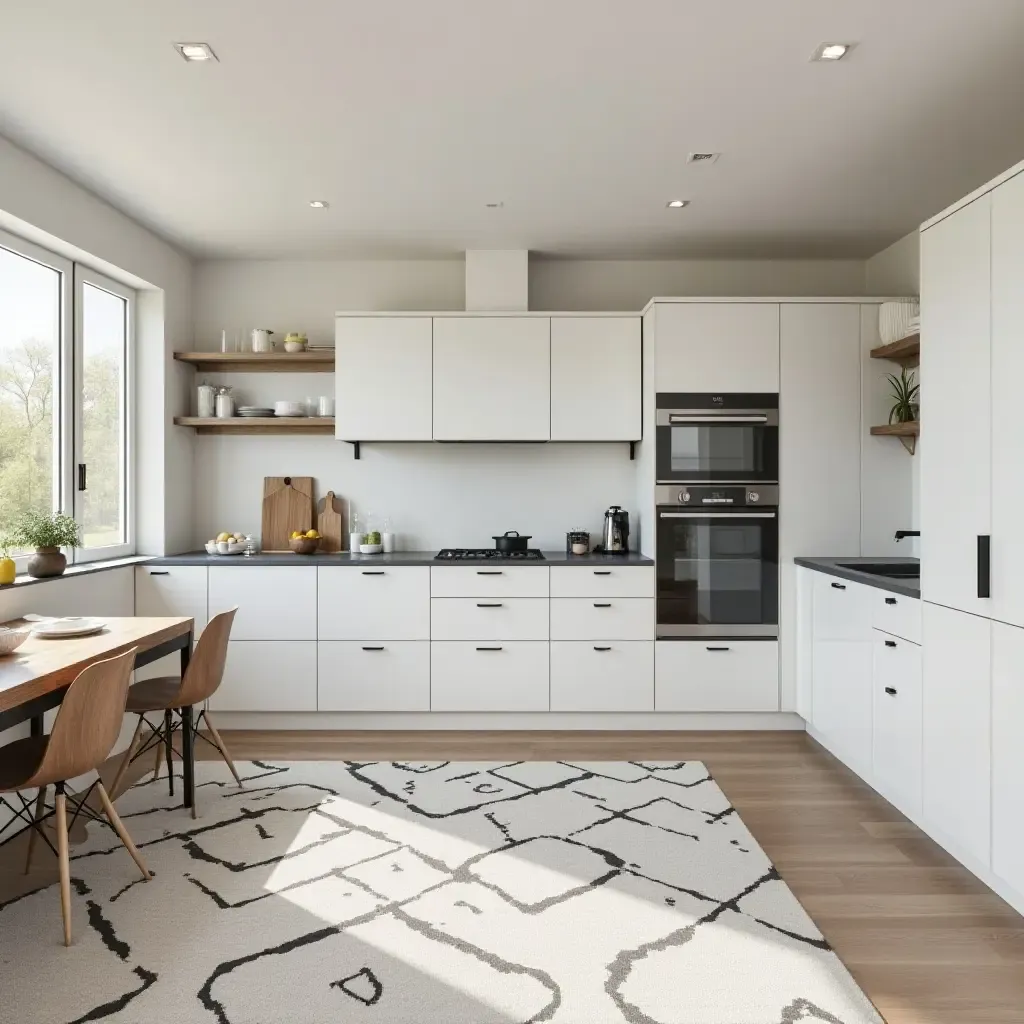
<point>717,439</point>
<point>717,555</point>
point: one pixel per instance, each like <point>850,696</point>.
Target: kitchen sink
<point>892,570</point>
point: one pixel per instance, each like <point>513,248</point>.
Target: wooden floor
<point>928,942</point>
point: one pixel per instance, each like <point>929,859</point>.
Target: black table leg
<point>35,725</point>
<point>188,757</point>
<point>168,750</point>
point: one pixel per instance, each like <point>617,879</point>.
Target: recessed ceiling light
<point>495,206</point>
<point>677,204</point>
<point>702,158</point>
<point>832,51</point>
<point>319,204</point>
<point>195,51</point>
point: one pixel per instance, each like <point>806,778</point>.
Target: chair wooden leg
<point>122,832</point>
<point>65,867</point>
<point>33,835</point>
<point>221,746</point>
<point>126,760</point>
<point>169,749</point>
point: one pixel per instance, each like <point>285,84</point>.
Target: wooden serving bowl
<point>304,545</point>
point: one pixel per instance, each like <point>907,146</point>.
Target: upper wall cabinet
<point>716,347</point>
<point>492,378</point>
<point>383,378</point>
<point>595,378</point>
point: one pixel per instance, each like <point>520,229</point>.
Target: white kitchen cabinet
<point>274,602</point>
<point>841,655</point>
<point>612,618</point>
<point>602,580</point>
<point>386,676</point>
<point>489,581</point>
<point>595,378</point>
<point>717,347</point>
<point>268,675</point>
<point>956,422</point>
<point>373,603</point>
<point>492,378</point>
<point>383,383</point>
<point>486,619</point>
<point>896,722</point>
<point>896,614</point>
<point>716,675</point>
<point>1007,422</point>
<point>172,590</point>
<point>606,676</point>
<point>507,676</point>
<point>957,730</point>
<point>1008,754</point>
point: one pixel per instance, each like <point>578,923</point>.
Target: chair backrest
<point>206,667</point>
<point>88,722</point>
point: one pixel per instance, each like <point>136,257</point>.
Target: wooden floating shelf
<point>908,433</point>
<point>906,351</point>
<point>310,361</point>
<point>259,424</point>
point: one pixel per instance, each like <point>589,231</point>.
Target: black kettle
<point>615,537</point>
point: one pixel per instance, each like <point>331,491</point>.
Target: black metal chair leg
<point>169,749</point>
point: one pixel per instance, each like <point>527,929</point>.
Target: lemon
<point>223,536</point>
<point>312,534</point>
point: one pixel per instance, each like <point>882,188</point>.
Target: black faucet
<point>900,534</point>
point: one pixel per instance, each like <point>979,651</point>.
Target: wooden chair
<point>84,732</point>
<point>168,694</point>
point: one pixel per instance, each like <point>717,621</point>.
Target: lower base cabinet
<point>384,676</point>
<point>1008,754</point>
<point>896,715</point>
<point>602,676</point>
<point>716,675</point>
<point>268,675</point>
<point>499,676</point>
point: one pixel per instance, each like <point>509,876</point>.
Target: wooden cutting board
<point>287,506</point>
<point>331,522</point>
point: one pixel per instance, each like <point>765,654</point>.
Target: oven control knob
<point>754,496</point>
<point>684,496</point>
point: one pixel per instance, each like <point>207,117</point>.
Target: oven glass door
<point>718,573</point>
<point>718,450</point>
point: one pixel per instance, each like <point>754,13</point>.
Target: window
<point>65,388</point>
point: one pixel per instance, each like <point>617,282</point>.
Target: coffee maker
<point>615,536</point>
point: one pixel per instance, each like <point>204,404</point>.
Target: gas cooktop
<point>489,555</point>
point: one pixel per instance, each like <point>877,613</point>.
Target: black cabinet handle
<point>890,643</point>
<point>373,648</point>
<point>890,600</point>
<point>891,690</point>
<point>159,572</point>
<point>838,586</point>
<point>602,604</point>
<point>602,572</point>
<point>984,565</point>
<point>488,572</point>
<point>82,478</point>
<point>602,648</point>
<point>482,605</point>
<point>488,648</point>
<point>373,572</point>
<point>718,648</point>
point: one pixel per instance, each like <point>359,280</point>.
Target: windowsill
<point>83,569</point>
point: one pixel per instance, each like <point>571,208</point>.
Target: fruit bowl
<point>304,545</point>
<point>370,549</point>
<point>11,639</point>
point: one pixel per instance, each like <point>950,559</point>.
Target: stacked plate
<point>255,410</point>
<point>290,409</point>
<point>73,625</point>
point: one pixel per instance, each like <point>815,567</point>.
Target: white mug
<point>325,407</point>
<point>261,340</point>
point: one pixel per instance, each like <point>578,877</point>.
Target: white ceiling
<point>410,115</point>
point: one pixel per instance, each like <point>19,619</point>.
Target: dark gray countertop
<point>398,558</point>
<point>832,567</point>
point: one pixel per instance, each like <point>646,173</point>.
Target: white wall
<point>43,205</point>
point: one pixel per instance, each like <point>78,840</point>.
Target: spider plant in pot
<point>905,391</point>
<point>47,532</point>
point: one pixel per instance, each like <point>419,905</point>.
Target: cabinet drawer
<point>373,603</point>
<point>389,676</point>
<point>172,590</point>
<point>489,581</point>
<point>725,675</point>
<point>842,609</point>
<point>613,618</point>
<point>896,733</point>
<point>602,581</point>
<point>615,676</point>
<point>273,603</point>
<point>895,614</point>
<point>466,618</point>
<point>491,677</point>
<point>268,676</point>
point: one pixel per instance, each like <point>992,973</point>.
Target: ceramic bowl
<point>225,547</point>
<point>295,346</point>
<point>211,547</point>
<point>11,639</point>
<point>304,545</point>
<point>371,549</point>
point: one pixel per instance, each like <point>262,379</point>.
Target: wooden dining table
<point>34,678</point>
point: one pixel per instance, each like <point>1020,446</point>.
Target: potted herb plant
<point>905,393</point>
<point>7,571</point>
<point>47,532</point>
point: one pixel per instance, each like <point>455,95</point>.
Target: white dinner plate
<point>69,627</point>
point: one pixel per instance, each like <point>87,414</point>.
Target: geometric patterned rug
<point>427,893</point>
